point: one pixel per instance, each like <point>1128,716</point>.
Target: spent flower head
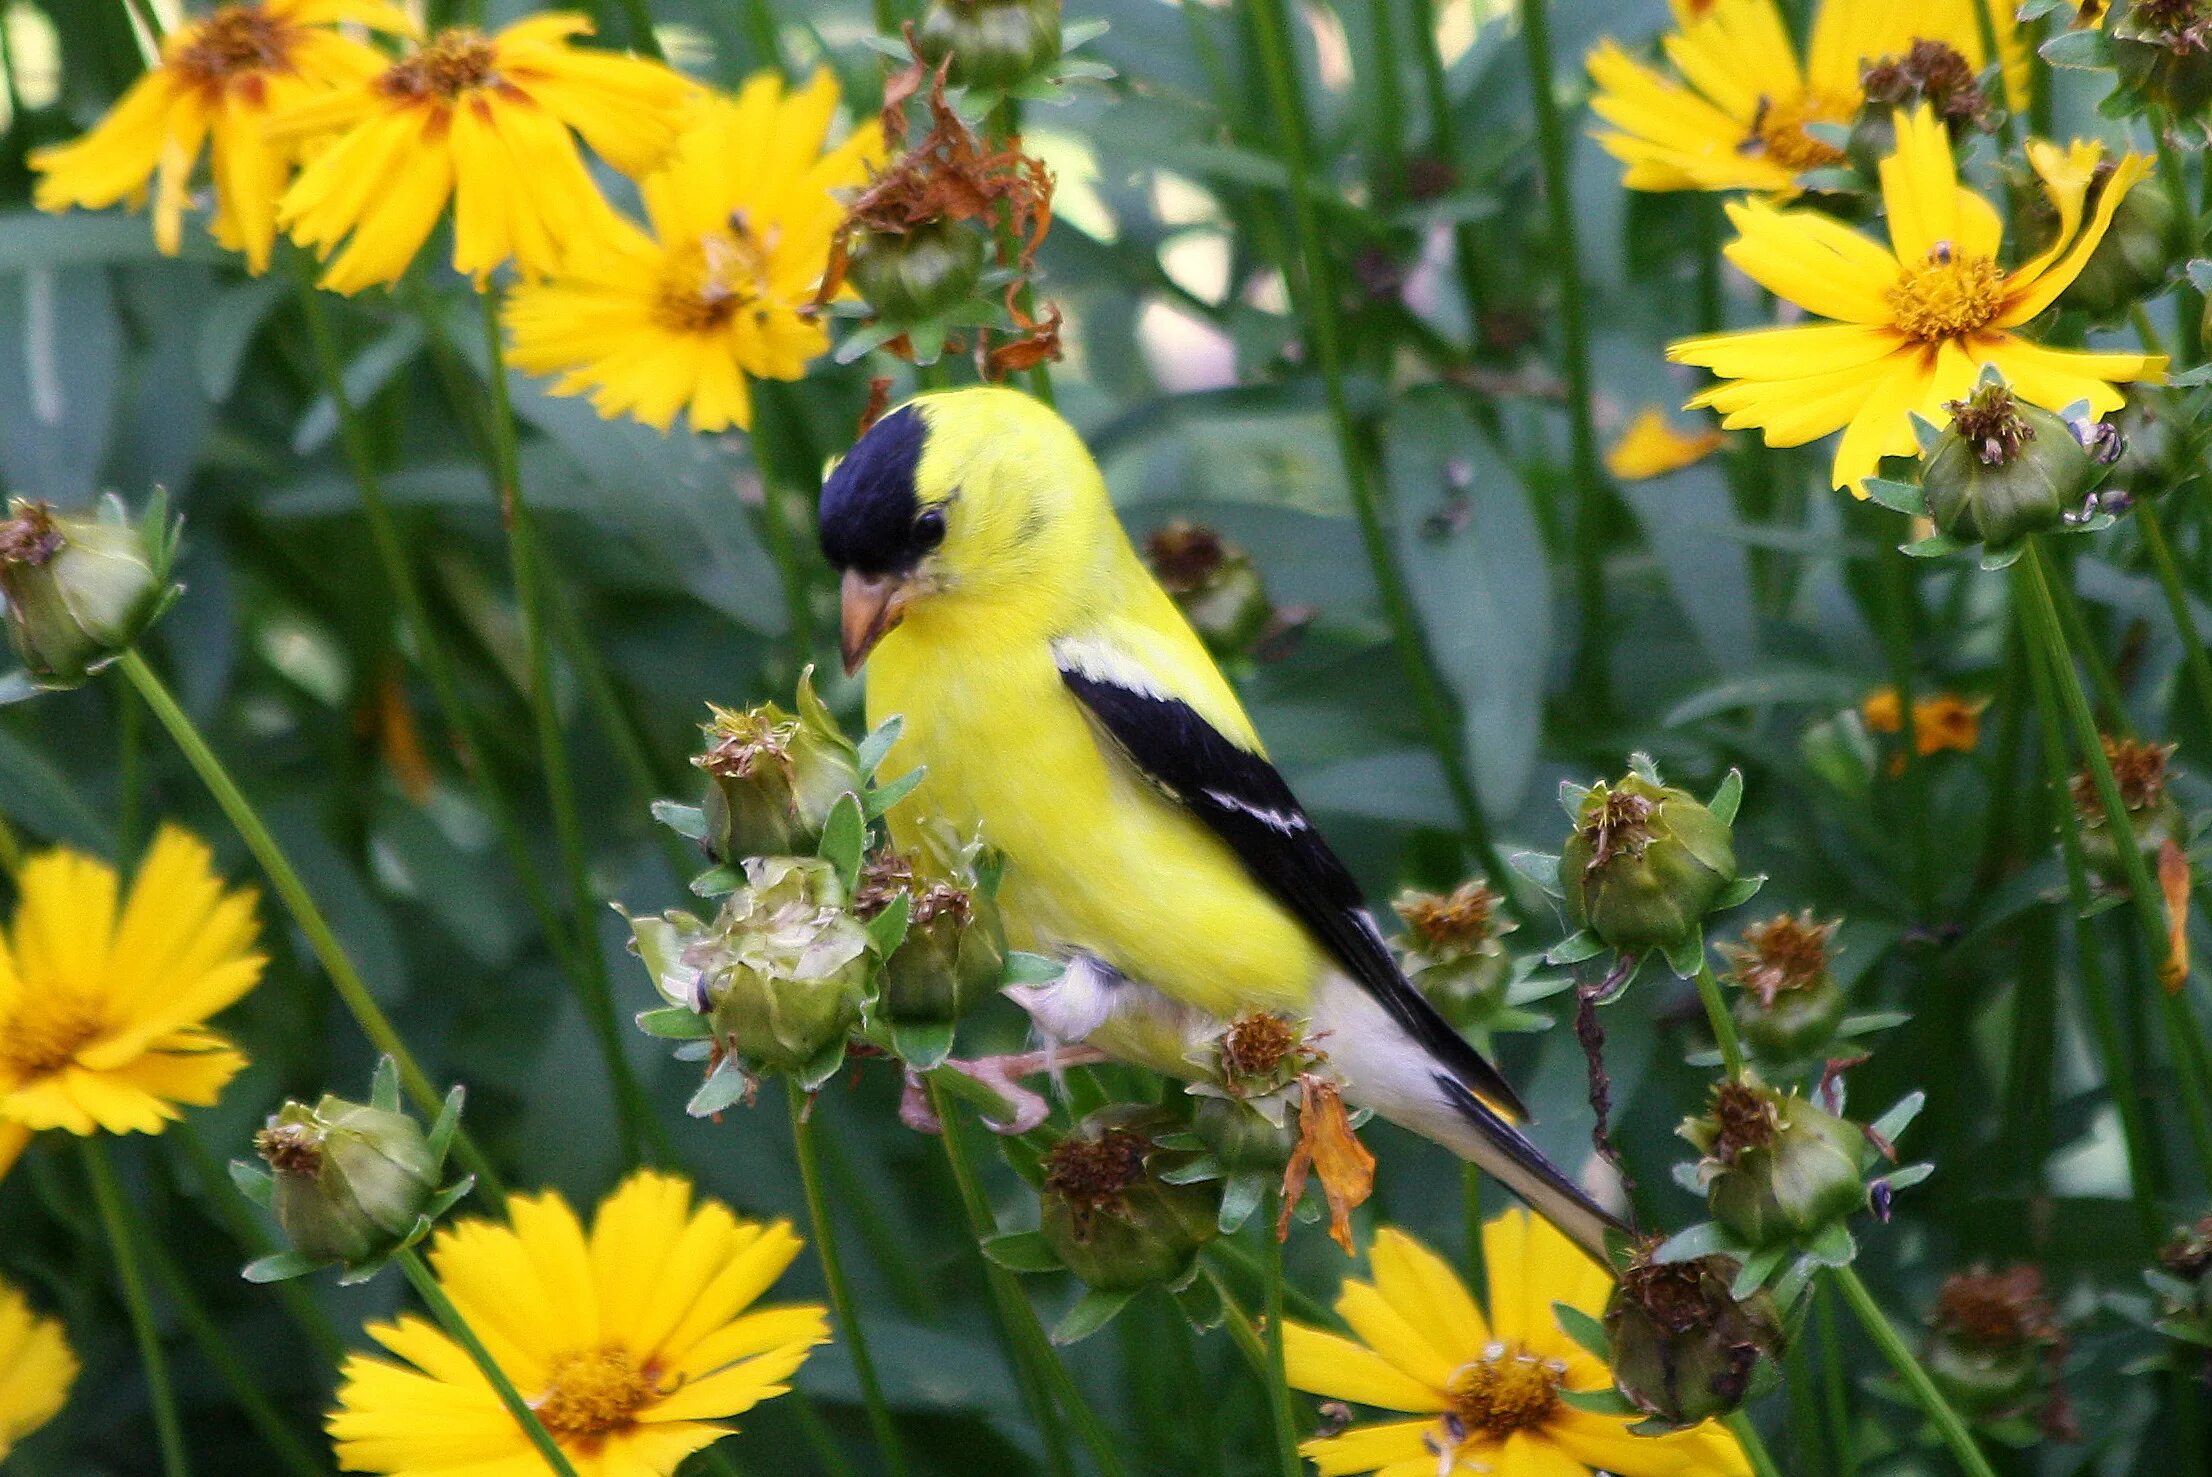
<point>1995,1345</point>
<point>773,777</point>
<point>1113,1209</point>
<point>1684,1347</point>
<point>79,590</point>
<point>1646,862</point>
<point>1777,1169</point>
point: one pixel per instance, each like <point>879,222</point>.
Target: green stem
<point>1260,1353</point>
<point>1444,140</point>
<point>2073,625</point>
<point>1754,1445</point>
<point>130,769</point>
<point>775,527</point>
<point>1302,1304</point>
<point>2104,1019</point>
<point>1897,639</point>
<point>1388,123</point>
<point>633,1110</point>
<point>640,17</point>
<point>228,1207</point>
<point>147,17</point>
<point>1271,25</point>
<point>1278,1379</point>
<point>1591,487</point>
<point>2174,175</point>
<point>344,978</point>
<point>2193,654</point>
<point>449,1317</point>
<point>1835,1382</point>
<point>763,33</point>
<point>1922,1389</point>
<point>115,1220</point>
<point>1717,1016</point>
<point>840,1292</point>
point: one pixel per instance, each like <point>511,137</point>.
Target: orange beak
<point>871,605</point>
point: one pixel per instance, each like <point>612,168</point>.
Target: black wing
<point>1243,800</point>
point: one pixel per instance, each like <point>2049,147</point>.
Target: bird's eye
<point>929,528</point>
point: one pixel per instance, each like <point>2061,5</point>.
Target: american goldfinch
<point>1059,702</point>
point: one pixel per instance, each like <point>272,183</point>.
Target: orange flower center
<point>45,1032</point>
<point>594,1392</point>
<point>1947,295</point>
<point>447,65</point>
<point>1508,1389</point>
<point>236,40</point>
<point>704,286</point>
<point>1778,131</point>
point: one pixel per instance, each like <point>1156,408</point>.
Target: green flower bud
<point>1453,951</point>
<point>773,777</point>
<point>993,44</point>
<point>1776,1168</point>
<point>2139,768</point>
<point>784,971</point>
<point>1214,582</point>
<point>1992,1336</point>
<point>953,957</point>
<point>2005,469</point>
<point>914,275</point>
<point>1791,1004</point>
<point>2131,262</point>
<point>1684,1349</point>
<point>2163,50</point>
<point>350,1180</point>
<point>1116,1224</point>
<point>80,591</point>
<point>1244,1138</point>
<point>1645,864</point>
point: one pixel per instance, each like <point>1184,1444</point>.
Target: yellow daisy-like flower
<point>489,123</point>
<point>36,1369</point>
<point>1918,319</point>
<point>632,1344</point>
<point>1736,119</point>
<point>220,80</point>
<point>1652,447</point>
<point>1943,721</point>
<point>101,1005</point>
<point>1484,1391</point>
<point>742,218</point>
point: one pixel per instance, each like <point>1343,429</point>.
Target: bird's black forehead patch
<point>869,503</point>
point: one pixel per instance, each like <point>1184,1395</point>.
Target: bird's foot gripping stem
<point>1018,1108</point>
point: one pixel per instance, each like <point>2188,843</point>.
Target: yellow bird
<point>1059,702</point>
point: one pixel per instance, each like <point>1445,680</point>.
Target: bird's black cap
<point>870,508</point>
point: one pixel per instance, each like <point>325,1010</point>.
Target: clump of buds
<point>1645,864</point>
<point>80,591</point>
<point>1214,583</point>
<point>1790,1005</point>
<point>1454,951</point>
<point>991,44</point>
<point>1994,1344</point>
<point>952,956</point>
<point>2154,817</point>
<point>2005,469</point>
<point>2163,53</point>
<point>773,777</point>
<point>1684,1348</point>
<point>1931,73</point>
<point>1247,1097</point>
<point>1776,1169</point>
<point>1109,1213</point>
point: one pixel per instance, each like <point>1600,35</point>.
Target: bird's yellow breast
<point>1097,860</point>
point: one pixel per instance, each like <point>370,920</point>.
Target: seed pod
<point>1791,1004</point>
<point>1454,952</point>
<point>785,969</point>
<point>1776,1168</point>
<point>773,777</point>
<point>350,1180</point>
<point>2154,817</point>
<point>1249,1091</point>
<point>1645,864</point>
<point>1991,1336</point>
<point>991,44</point>
<point>1215,584</point>
<point>1684,1349</point>
<point>2005,469</point>
<point>80,591</point>
<point>954,954</point>
<point>912,276</point>
<point>1115,1223</point>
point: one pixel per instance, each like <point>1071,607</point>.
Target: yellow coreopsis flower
<point>742,219</point>
<point>102,1006</point>
<point>36,1369</point>
<point>1943,721</point>
<point>1484,1391</point>
<point>1652,447</point>
<point>633,1343</point>
<point>219,81</point>
<point>1736,119</point>
<point>488,122</point>
<point>1918,319</point>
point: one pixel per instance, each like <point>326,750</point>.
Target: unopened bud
<point>2005,469</point>
<point>2162,49</point>
<point>1453,950</point>
<point>2131,260</point>
<point>1930,73</point>
<point>911,276</point>
<point>991,44</point>
<point>1685,1349</point>
<point>773,777</point>
<point>1776,1168</point>
<point>1249,1091</point>
<point>1115,1222</point>
<point>350,1180</point>
<point>80,591</point>
<point>1645,864</point>
<point>1791,1004</point>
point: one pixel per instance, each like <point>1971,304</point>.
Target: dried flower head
<point>1185,555</point>
<point>1989,421</point>
<point>2189,1254</point>
<point>1257,1045</point>
<point>1463,919</point>
<point>2138,767</point>
<point>1093,1174</point>
<point>738,743</point>
<point>2181,26</point>
<point>1996,1310</point>
<point>1619,826</point>
<point>290,1148</point>
<point>28,535</point>
<point>1745,1118</point>
<point>887,874</point>
<point>1787,952</point>
<point>1931,72</point>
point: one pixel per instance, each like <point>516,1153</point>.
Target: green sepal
<point>1905,1176</point>
<point>1022,1251</point>
<point>1934,546</point>
<point>1686,955</point>
<point>717,882</point>
<point>1240,1196</point>
<point>1891,1125</point>
<point>1571,796</point>
<point>726,1084</point>
<point>1727,798</point>
<point>824,1064</point>
<point>675,1023</point>
<point>877,744</point>
<point>1584,1330</point>
<point>1756,1269</point>
<point>1606,1402</point>
<point>448,1122</point>
<point>1092,1312</point>
<point>844,838</point>
<point>1834,1246</point>
<point>887,930</point>
<point>1538,867</point>
<point>254,1182</point>
<point>1575,948</point>
<point>1899,497</point>
<point>882,797</point>
<point>282,1266</point>
<point>1703,1239</point>
<point>922,1045</point>
<point>2088,49</point>
<point>1199,1300</point>
<point>1195,1170</point>
<point>442,1202</point>
<point>1024,968</point>
<point>2005,558</point>
<point>687,821</point>
<point>384,1086</point>
<point>1739,892</point>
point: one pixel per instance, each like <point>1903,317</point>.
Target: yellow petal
<point>1330,1365</point>
<point>2033,295</point>
<point>1426,1291</point>
<point>1370,1448</point>
<point>1820,264</point>
<point>1920,186</point>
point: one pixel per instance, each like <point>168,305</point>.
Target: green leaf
<point>878,744</point>
<point>1092,1312</point>
<point>1538,867</point>
<point>844,838</point>
<point>2086,49</point>
<point>1703,1239</point>
<point>675,1023</point>
<point>1575,948</point>
<point>1892,1125</point>
<point>887,930</point>
<point>881,798</point>
<point>1022,1251</point>
<point>1898,497</point>
<point>1584,1330</point>
<point>1024,968</point>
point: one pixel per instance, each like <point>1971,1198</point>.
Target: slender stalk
<point>2173,173</point>
<point>1754,1445</point>
<point>1835,1385</point>
<point>841,1295</point>
<point>1387,126</point>
<point>2193,654</point>
<point>639,14</point>
<point>1278,1379</point>
<point>449,1317</point>
<point>1718,1017</point>
<point>1271,26</point>
<point>2073,625</point>
<point>1591,487</point>
<point>1260,1352</point>
<point>229,1207</point>
<point>1923,1390</point>
<point>1301,1303</point>
<point>1897,640</point>
<point>115,1220</point>
<point>143,11</point>
<point>130,769</point>
<point>1444,142</point>
<point>344,978</point>
<point>634,1111</point>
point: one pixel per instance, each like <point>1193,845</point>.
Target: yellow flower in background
<point>1918,319</point>
<point>742,217</point>
<point>489,123</point>
<point>1943,721</point>
<point>1736,118</point>
<point>633,1344</point>
<point>219,81</point>
<point>102,1004</point>
<point>1484,1392</point>
<point>36,1369</point>
<point>1652,447</point>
